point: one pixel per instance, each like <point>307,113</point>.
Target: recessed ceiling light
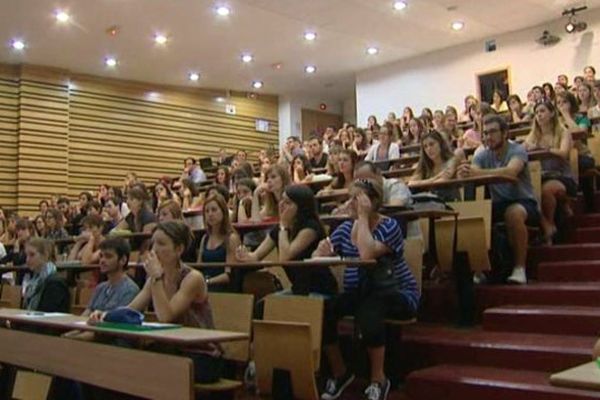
<point>372,51</point>
<point>17,44</point>
<point>399,5</point>
<point>223,11</point>
<point>62,16</point>
<point>310,36</point>
<point>159,38</point>
<point>110,62</point>
<point>194,76</point>
<point>458,25</point>
<point>257,84</point>
<point>247,58</point>
<point>310,69</point>
<point>220,99</point>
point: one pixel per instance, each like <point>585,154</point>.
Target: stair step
<point>587,235</point>
<point>587,220</point>
<point>542,293</point>
<point>428,345</point>
<point>569,271</point>
<point>565,252</point>
<point>459,382</point>
<point>554,320</point>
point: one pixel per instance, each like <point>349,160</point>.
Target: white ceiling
<point>272,30</point>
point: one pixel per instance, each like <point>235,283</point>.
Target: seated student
<point>223,177</point>
<point>318,158</point>
<point>472,137</point>
<point>86,247</point>
<point>270,193</point>
<point>465,115</point>
<point>332,163</point>
<point>586,97</point>
<point>184,194</point>
<point>296,237</point>
<point>559,88</point>
<point>110,215</point>
<point>39,225</point>
<point>46,290</point>
<point>177,294</point>
<point>388,290</point>
<point>360,144</point>
<point>515,107</point>
<point>10,233</point>
<point>346,160</point>
<point>54,225</point>
<point>116,195</point>
<point>140,218</point>
<point>513,204</point>
<point>451,132</point>
<point>557,180</point>
<point>118,290</point>
<point>218,244</point>
<point>85,198</point>
<point>387,148</point>
<point>413,134</point>
<point>589,73</point>
<point>300,170</point>
<point>162,192</point>
<point>15,253</point>
<point>437,162</point>
<point>192,171</point>
<point>549,92</point>
<point>169,211</point>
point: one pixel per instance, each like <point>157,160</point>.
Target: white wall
<point>290,112</point>
<point>444,77</point>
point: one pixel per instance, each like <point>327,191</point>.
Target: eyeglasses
<point>490,131</point>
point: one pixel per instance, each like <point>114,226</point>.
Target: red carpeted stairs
<point>527,332</point>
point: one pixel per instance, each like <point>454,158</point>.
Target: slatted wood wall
<point>9,104</point>
<point>74,132</point>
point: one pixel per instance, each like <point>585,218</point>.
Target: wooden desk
<point>184,336</point>
<point>245,227</point>
<point>586,376</point>
<point>318,184</point>
<point>474,180</point>
<point>411,148</point>
<point>150,375</point>
<point>308,263</point>
<point>535,155</point>
<point>128,235</point>
<point>399,173</point>
<point>408,160</point>
<point>332,195</point>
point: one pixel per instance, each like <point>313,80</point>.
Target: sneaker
<point>335,387</point>
<point>518,276</point>
<point>250,376</point>
<point>378,391</point>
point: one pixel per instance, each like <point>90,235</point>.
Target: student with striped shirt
<point>371,294</point>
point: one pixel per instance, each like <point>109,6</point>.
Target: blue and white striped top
<point>389,233</point>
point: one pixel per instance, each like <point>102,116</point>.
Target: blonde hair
<point>271,204</point>
<point>558,132</point>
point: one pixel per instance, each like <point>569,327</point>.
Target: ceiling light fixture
<point>194,76</point>
<point>310,36</point>
<point>573,25</point>
<point>223,11</point>
<point>310,69</point>
<point>17,44</point>
<point>257,84</point>
<point>161,39</point>
<point>457,25</point>
<point>372,50</point>
<point>399,5</point>
<point>62,16</point>
<point>110,62</point>
<point>247,58</point>
<point>220,99</point>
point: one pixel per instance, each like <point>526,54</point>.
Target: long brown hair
<point>271,202</point>
<point>340,180</point>
<point>425,166</point>
<point>225,227</point>
<point>535,136</point>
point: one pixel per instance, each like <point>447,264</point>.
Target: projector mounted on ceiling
<point>547,39</point>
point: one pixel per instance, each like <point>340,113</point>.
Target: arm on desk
<point>192,288</point>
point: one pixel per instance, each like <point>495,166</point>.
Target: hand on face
<point>152,265</point>
<point>286,214</point>
<point>363,205</point>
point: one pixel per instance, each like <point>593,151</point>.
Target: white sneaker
<point>518,276</point>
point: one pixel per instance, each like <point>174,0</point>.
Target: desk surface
<point>183,336</point>
<point>474,180</point>
<point>586,376</point>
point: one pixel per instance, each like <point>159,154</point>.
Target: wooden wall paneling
<point>152,136</point>
<point>43,129</point>
<point>317,121</point>
<point>9,115</point>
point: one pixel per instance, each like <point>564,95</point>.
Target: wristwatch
<point>158,278</point>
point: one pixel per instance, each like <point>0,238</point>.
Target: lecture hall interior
<point>299,199</point>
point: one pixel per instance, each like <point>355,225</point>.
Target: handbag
<point>379,279</point>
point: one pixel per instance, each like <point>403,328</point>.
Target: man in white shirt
<point>192,171</point>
